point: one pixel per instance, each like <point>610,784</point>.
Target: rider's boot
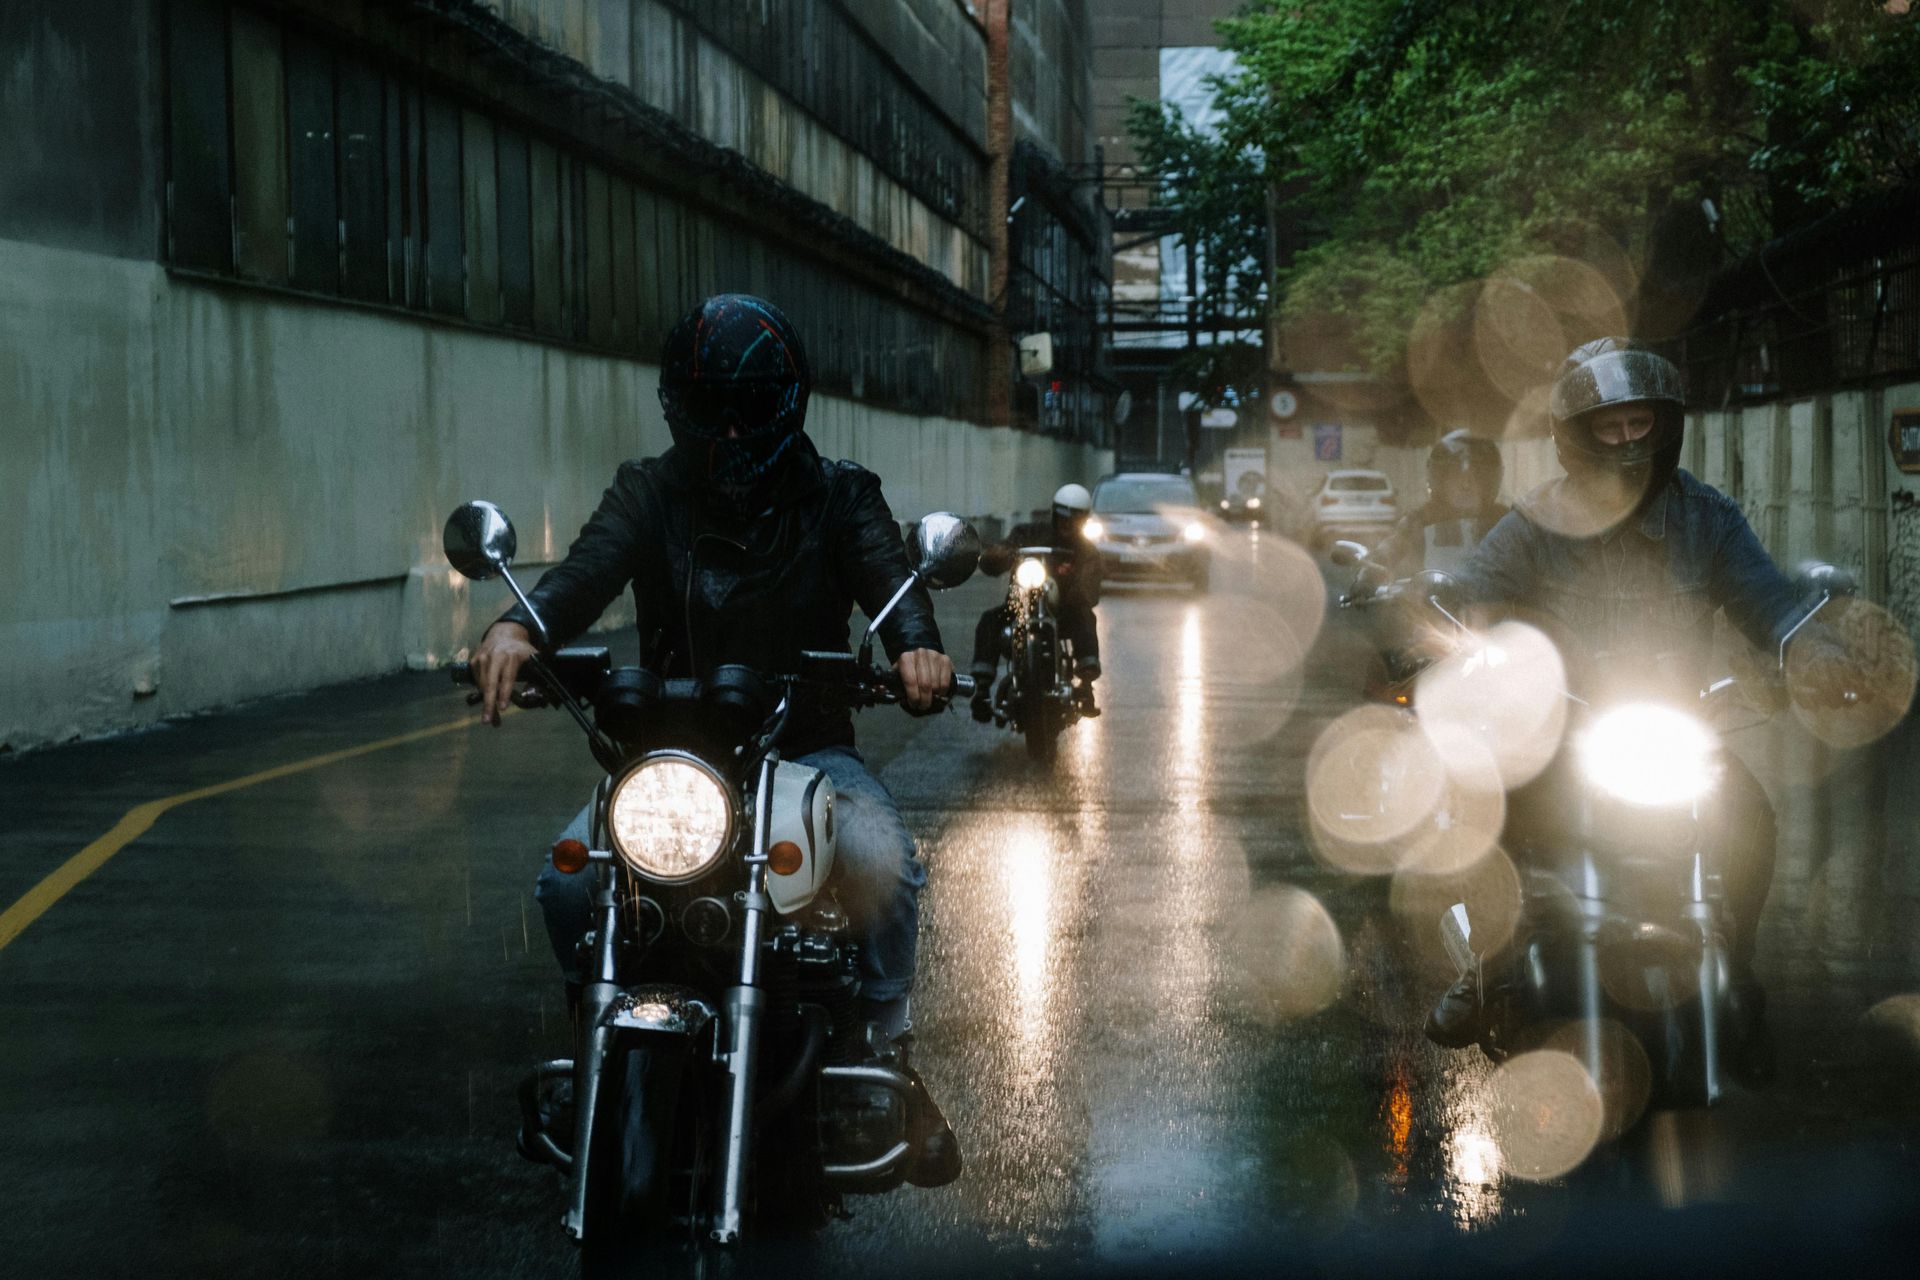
<point>1085,673</point>
<point>1455,1021</point>
<point>1481,1007</point>
<point>982,705</point>
<point>935,1159</point>
<point>936,1149</point>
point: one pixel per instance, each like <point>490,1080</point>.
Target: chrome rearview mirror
<point>479,540</point>
<point>480,544</point>
<point>944,553</point>
<point>945,550</point>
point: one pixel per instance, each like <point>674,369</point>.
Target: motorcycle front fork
<point>590,1056</point>
<point>744,1012</point>
<point>737,1049</point>
<point>1699,910</point>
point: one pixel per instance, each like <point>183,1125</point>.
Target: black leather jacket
<point>710,590</point>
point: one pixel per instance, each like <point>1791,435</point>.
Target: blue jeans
<point>877,875</point>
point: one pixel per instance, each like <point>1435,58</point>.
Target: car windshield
<point>1358,484</point>
<point>1148,494</point>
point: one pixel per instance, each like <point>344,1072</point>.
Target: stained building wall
<point>225,453</point>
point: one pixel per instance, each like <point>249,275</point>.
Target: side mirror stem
<point>1825,598</point>
<point>541,634</point>
<point>866,641</point>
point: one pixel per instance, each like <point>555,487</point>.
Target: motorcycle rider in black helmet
<point>1464,475</point>
<point>1625,561</point>
<point>1076,568</point>
<point>743,545</point>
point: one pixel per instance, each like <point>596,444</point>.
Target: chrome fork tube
<point>1700,911</point>
<point>1592,915</point>
<point>591,1050</point>
<point>745,1007</point>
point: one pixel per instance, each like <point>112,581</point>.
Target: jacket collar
<point>799,477</point>
<point>1653,521</point>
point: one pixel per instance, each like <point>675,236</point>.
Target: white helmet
<point>1071,500</point>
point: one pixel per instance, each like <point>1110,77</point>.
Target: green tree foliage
<point>1218,200</point>
<point>1431,143</point>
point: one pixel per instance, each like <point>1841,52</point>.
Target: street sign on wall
<point>1326,442</point>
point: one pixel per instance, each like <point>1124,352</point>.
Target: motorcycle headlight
<point>1650,755</point>
<point>1031,573</point>
<point>670,818</point>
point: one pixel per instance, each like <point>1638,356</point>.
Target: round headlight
<point>1094,529</point>
<point>670,818</point>
<point>1030,574</point>
<point>1650,755</point>
<point>1194,532</point>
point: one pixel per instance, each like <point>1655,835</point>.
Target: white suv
<point>1358,504</point>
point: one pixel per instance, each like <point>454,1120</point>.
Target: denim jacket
<point>1638,600</point>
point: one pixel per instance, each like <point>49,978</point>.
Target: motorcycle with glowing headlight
<point>1626,922</point>
<point>1039,695</point>
<point>721,1079</point>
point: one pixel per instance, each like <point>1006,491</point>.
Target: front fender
<point>662,1008</point>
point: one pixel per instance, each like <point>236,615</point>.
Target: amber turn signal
<point>569,856</point>
<point>784,858</point>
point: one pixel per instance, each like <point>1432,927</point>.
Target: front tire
<point>646,1176</point>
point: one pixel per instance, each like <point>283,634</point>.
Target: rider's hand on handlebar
<point>496,665</point>
<point>925,675</point>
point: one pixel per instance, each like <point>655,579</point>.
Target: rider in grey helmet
<point>1464,475</point>
<point>1625,562</point>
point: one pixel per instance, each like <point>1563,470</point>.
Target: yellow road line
<point>139,819</point>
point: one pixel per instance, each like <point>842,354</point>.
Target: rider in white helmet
<point>1076,567</point>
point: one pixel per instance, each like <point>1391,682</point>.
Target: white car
<point>1148,525</point>
<point>1354,504</point>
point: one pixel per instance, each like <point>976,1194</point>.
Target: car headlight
<point>1094,530</point>
<point>1650,755</point>
<point>1194,532</point>
<point>1253,504</point>
<point>1030,574</point>
<point>670,818</point>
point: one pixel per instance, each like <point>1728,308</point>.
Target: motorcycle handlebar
<point>884,685</point>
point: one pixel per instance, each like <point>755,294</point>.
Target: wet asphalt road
<point>278,1033</point>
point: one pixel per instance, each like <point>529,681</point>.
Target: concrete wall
<point>1817,481</point>
<point>209,494</point>
<point>660,53</point>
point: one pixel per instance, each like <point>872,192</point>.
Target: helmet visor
<point>717,410</point>
<point>1615,377</point>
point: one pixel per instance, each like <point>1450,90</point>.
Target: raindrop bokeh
<point>1546,1115</point>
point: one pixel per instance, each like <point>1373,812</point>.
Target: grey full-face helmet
<point>1607,373</point>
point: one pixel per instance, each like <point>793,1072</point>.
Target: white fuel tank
<point>803,801</point>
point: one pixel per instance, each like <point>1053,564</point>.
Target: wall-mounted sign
<point>1326,442</point>
<point>1284,403</point>
<point>1036,355</point>
<point>1904,439</point>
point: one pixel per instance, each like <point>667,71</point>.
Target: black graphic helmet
<point>1604,374</point>
<point>734,383</point>
<point>1461,455</point>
